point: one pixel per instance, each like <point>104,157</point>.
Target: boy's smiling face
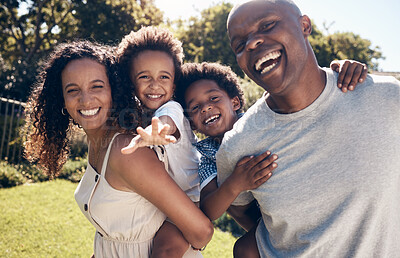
<point>210,108</point>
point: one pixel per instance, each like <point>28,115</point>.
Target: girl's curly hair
<point>148,38</point>
<point>223,75</point>
<point>47,128</point>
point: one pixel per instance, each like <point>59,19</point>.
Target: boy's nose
<point>206,108</point>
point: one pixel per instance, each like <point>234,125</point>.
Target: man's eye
<point>239,47</point>
<point>267,26</point>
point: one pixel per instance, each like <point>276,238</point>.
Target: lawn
<point>43,220</point>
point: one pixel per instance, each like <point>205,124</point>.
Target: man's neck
<point>304,93</point>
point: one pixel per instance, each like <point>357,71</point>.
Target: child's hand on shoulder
<point>251,172</point>
<point>350,73</point>
<point>154,134</point>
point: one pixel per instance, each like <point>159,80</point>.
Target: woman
<point>126,197</point>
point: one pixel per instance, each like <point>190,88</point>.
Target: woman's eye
<point>144,77</point>
<point>164,77</point>
<point>98,86</point>
<point>71,90</point>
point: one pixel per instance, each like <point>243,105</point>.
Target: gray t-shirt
<point>336,191</point>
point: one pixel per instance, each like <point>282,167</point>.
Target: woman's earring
<point>62,112</point>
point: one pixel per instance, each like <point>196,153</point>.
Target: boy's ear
<point>235,103</point>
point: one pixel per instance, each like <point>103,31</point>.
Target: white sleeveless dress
<point>125,222</point>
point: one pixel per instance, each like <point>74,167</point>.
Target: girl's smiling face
<point>211,110</point>
<point>87,93</point>
<point>153,74</point>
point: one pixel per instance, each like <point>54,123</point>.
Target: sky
<point>377,21</point>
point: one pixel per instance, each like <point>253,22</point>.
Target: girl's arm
<point>162,131</point>
<point>144,174</point>
<point>350,73</point>
<point>249,173</point>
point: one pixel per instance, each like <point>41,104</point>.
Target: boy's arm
<point>157,133</point>
<point>246,216</point>
<point>350,73</point>
<point>249,173</point>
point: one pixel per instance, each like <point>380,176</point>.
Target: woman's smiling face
<point>87,93</point>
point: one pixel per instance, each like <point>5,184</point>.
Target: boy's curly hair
<point>148,38</point>
<point>47,128</point>
<point>223,75</point>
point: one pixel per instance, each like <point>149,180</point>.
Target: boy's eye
<point>194,108</point>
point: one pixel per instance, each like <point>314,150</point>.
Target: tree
<point>31,29</point>
<point>344,45</point>
<point>205,38</point>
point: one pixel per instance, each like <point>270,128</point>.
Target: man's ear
<point>236,103</point>
<point>306,25</point>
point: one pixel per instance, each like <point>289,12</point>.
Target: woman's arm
<point>142,172</point>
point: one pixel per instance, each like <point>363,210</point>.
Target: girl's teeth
<point>90,112</point>
<point>211,118</point>
<point>153,96</point>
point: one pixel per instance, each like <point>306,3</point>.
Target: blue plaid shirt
<point>208,165</point>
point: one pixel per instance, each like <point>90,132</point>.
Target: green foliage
<point>227,224</point>
<point>344,45</point>
<point>31,29</point>
<point>43,220</point>
<point>252,92</point>
<point>205,39</point>
<point>13,175</point>
<point>10,176</point>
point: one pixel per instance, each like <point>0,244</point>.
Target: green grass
<point>43,220</point>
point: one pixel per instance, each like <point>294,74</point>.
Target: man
<point>336,190</point>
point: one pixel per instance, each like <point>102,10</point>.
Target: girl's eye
<point>214,98</point>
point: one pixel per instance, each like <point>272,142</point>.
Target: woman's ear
<point>236,103</point>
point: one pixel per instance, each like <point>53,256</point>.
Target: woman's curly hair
<point>47,128</point>
<point>223,75</point>
<point>148,38</point>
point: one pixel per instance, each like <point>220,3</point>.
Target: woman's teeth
<point>90,112</point>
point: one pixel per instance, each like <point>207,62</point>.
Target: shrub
<point>73,169</point>
<point>10,176</point>
<point>227,223</point>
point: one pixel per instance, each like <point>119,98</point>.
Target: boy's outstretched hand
<point>350,73</point>
<point>154,134</point>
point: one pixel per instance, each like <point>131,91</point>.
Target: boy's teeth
<point>153,96</point>
<point>270,56</point>
<point>211,119</point>
<point>90,112</point>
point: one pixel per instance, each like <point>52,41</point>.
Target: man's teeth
<point>211,119</point>
<point>90,112</point>
<point>270,56</point>
<point>153,96</point>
